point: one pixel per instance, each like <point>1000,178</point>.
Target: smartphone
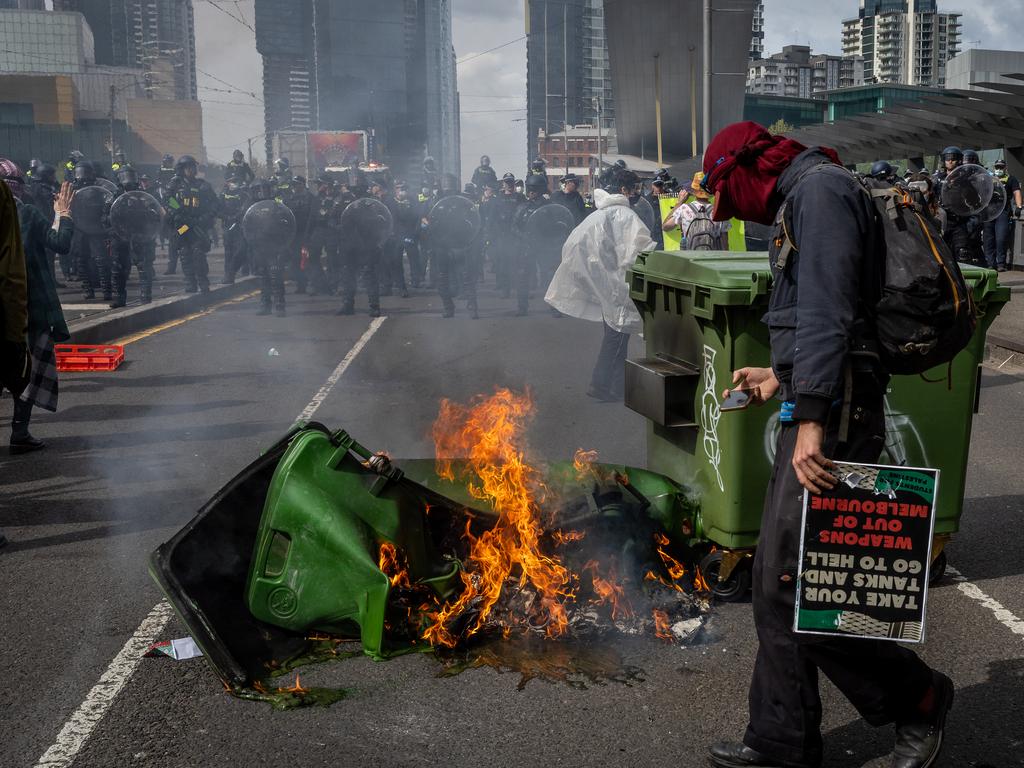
<point>738,399</point>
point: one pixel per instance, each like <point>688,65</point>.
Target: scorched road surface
<point>132,454</point>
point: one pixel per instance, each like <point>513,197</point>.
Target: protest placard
<point>865,553</point>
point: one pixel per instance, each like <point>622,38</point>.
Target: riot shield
<point>997,204</point>
<point>453,223</point>
<point>268,223</point>
<point>136,217</point>
<point>967,190</point>
<point>108,185</point>
<point>645,211</point>
<point>89,208</point>
<point>548,225</point>
<point>366,221</point>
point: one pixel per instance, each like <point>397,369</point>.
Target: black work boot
<point>347,308</point>
<point>474,312</point>
<point>146,296</point>
<point>120,300</point>
<point>735,755</point>
<point>21,440</point>
<point>919,740</point>
<point>374,311</point>
<point>449,308</point>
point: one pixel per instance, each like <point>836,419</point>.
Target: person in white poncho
<point>591,281</point>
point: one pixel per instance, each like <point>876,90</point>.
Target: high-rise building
<point>757,40</point>
<point>798,73</point>
<point>903,41</point>
<point>341,65</point>
<point>156,36</point>
<point>22,5</point>
<point>597,71</point>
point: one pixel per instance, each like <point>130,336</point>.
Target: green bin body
<point>702,320</point>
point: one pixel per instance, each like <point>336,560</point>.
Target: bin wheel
<point>731,590</point>
<point>938,569</point>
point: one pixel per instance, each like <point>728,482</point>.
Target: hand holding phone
<point>738,399</point>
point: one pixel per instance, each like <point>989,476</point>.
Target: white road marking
<point>1003,614</point>
<point>79,727</point>
<point>325,390</point>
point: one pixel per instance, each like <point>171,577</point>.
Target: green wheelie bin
<point>702,316</point>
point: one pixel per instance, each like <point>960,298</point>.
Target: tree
<point>780,126</point>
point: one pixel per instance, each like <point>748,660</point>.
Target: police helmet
<point>119,157</point>
<point>429,164</point>
<point>34,165</point>
<point>536,183</point>
<point>661,174</point>
<point>186,161</point>
<point>281,165</point>
<point>74,156</point>
<point>971,157</point>
<point>471,189</point>
<point>881,170</point>
<point>85,172</point>
<point>953,153</point>
<point>299,181</point>
<point>999,164</point>
<point>569,178</point>
<point>485,161</point>
<point>509,177</point>
<point>539,163</point>
<point>168,161</point>
<point>621,163</point>
<point>46,173</point>
<point>237,156</point>
<point>401,185</point>
<point>128,178</point>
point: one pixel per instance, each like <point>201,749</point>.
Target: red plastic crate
<point>89,357</point>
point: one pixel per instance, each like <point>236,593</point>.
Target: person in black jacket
<point>192,207</point>
<point>833,391</point>
<point>570,197</point>
<point>484,174</point>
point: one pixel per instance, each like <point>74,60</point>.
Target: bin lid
<point>712,269</point>
<point>985,285</point>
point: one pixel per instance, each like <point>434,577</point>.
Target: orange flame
<point>567,537</point>
<point>489,432</point>
<point>608,592</point>
<point>662,628</point>
<point>391,566</point>
<point>296,688</point>
<point>699,582</point>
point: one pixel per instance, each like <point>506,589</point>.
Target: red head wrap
<point>743,164</point>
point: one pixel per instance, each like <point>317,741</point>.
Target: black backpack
<point>924,314</point>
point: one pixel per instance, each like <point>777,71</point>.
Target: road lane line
<point>182,320</point>
<point>79,727</point>
<point>1003,614</point>
<point>325,390</point>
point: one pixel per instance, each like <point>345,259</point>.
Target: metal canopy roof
<point>984,119</point>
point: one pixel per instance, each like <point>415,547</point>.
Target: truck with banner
<point>311,153</point>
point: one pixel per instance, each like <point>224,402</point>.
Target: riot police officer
<point>528,258</point>
<point>360,260</point>
<point>407,217</point>
<point>453,266</point>
<point>119,162</point>
<point>484,174</point>
<point>192,208</point>
<point>33,168</point>
<point>392,267</point>
<point>89,251</point>
<point>164,177</point>
<point>238,170</point>
<point>126,253</point>
<point>500,213</point>
<point>74,158</point>
<point>430,176</point>
<point>300,202</point>
<point>884,171</point>
<point>234,202</point>
<point>269,257</point>
<point>958,229</point>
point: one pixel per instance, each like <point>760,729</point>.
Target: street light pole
<point>706,138</point>
<point>657,102</point>
<point>565,81</point>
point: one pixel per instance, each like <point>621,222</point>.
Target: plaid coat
<point>38,234</point>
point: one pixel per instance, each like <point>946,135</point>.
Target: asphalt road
<point>132,454</point>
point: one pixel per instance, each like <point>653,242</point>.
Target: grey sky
<point>493,86</point>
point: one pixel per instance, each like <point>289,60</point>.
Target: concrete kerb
<point>105,328</point>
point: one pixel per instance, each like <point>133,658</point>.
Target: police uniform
<point>192,207</point>
<point>127,254</point>
<point>500,213</point>
<point>234,202</point>
<point>322,239</point>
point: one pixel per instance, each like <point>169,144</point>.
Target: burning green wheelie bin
<point>702,320</point>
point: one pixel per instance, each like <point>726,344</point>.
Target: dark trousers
<point>270,264</point>
<point>141,255</point>
<point>93,259</point>
<point>417,261</point>
<point>393,266</point>
<point>298,273</point>
<point>503,255</point>
<point>360,263</point>
<point>323,260</point>
<point>610,370</point>
<point>997,240</point>
<point>455,275</point>
<point>236,254</point>
<point>883,680</point>
<point>194,265</point>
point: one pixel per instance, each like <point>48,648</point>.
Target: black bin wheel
<point>734,588</point>
<point>938,569</point>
